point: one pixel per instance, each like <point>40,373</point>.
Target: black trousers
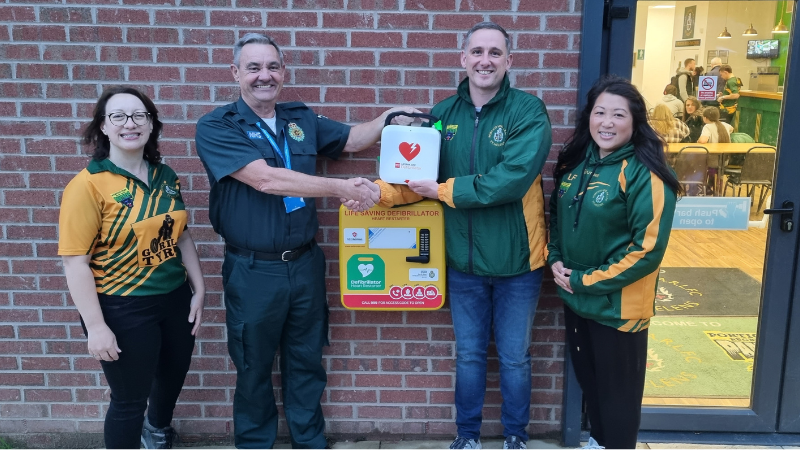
<point>610,366</point>
<point>155,336</point>
<point>271,306</point>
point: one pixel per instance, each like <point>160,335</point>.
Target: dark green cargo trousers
<point>272,305</point>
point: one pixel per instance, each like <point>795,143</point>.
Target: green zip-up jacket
<point>610,221</point>
<point>489,179</point>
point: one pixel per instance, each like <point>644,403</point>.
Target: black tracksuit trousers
<point>610,367</point>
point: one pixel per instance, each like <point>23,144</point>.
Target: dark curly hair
<point>93,134</point>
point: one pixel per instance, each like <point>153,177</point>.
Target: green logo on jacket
<point>600,197</point>
<point>497,136</point>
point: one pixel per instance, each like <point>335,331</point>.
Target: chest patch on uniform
<point>599,197</point>
<point>123,196</point>
<point>450,132</point>
<point>171,191</point>
<point>296,132</point>
<point>497,136</point>
<point>255,135</point>
<point>563,188</point>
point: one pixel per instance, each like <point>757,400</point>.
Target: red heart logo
<point>355,234</point>
<point>409,151</point>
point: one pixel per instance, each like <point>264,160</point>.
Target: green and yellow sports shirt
<point>130,230</point>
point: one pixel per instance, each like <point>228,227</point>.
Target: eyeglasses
<point>120,119</point>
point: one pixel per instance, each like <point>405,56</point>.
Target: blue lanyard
<point>286,156</point>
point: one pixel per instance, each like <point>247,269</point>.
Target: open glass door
<point>716,356</point>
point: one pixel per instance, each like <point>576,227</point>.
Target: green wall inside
<point>783,50</point>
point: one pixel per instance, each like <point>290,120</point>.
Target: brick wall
<point>390,373</point>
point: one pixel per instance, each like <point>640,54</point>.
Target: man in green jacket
<point>495,140</point>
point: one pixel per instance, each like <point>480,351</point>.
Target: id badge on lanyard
<point>290,203</point>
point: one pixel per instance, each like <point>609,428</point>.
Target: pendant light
<point>750,31</point>
<point>725,34</point>
<point>780,28</point>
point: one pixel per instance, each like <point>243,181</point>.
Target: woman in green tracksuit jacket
<point>610,219</point>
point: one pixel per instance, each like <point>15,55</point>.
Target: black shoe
<point>153,437</point>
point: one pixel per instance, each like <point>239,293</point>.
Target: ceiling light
<point>724,34</point>
<point>750,31</point>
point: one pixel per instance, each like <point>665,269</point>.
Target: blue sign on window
<point>712,213</point>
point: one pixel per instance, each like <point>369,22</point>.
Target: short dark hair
<point>648,145</point>
<point>726,68</point>
<point>487,26</point>
<point>93,134</point>
<point>670,90</point>
<point>687,61</point>
<point>254,38</point>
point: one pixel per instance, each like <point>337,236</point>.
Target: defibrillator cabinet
<point>392,259</point>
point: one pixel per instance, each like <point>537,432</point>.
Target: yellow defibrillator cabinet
<point>392,258</point>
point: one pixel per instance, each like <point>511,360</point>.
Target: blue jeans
<point>510,303</point>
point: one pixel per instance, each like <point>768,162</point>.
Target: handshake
<point>360,194</point>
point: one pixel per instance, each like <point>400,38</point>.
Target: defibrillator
<point>392,258</point>
<point>409,153</point>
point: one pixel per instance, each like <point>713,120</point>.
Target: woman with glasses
<point>132,268</point>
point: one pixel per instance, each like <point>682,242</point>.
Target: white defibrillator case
<point>409,153</point>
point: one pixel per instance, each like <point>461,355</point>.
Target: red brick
<point>17,14</point>
<point>71,379</point>
<point>517,22</point>
<point>175,17</point>
<point>542,41</point>
<point>30,198</point>
<point>349,95</point>
<point>123,16</point>
<point>49,180</point>
<point>539,79</point>
<point>404,365</point>
<point>404,333</point>
<point>209,3</point>
<point>336,412</point>
<point>403,396</point>
<point>353,364</point>
<point>25,163</point>
<point>67,91</point>
<point>376,39</point>
<point>444,78</point>
<point>379,317</point>
<point>320,39</point>
<point>432,40</point>
<point>431,5</point>
<point>318,4</point>
<point>461,22</point>
<point>300,94</point>
<point>50,109</point>
<point>14,215</point>
<point>403,96</point>
<point>60,315</point>
<point>353,396</point>
<point>153,35</point>
<point>371,5</point>
<point>39,33</point>
<point>28,233</point>
<point>9,249</point>
<point>42,332</point>
<point>47,395</point>
<point>349,58</point>
<point>375,77</point>
<point>261,4</point>
<point>526,60</point>
<point>569,98</point>
<point>180,55</point>
<point>158,73</point>
<point>358,333</point>
<point>321,76</point>
<point>429,412</point>
<point>8,363</point>
<point>19,52</point>
<point>42,71</point>
<point>347,20</point>
<point>543,5</point>
<point>380,412</point>
<point>202,395</point>
<point>99,72</point>
<point>208,74</point>
<point>561,60</point>
<point>340,380</point>
<point>44,363</point>
<point>302,57</point>
<point>292,19</point>
<point>486,5</point>
<point>415,58</point>
<point>20,90</point>
<point>22,379</point>
<point>237,19</point>
<point>65,14</point>
<point>23,411</point>
<point>563,23</point>
<point>95,34</point>
<point>6,332</point>
<point>202,36</point>
<point>76,411</point>
<point>429,381</point>
<point>46,215</point>
<point>10,395</point>
<point>383,380</point>
<point>403,21</point>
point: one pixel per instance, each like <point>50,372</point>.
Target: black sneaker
<point>153,437</point>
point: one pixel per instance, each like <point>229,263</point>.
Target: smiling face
<point>129,137</point>
<point>486,59</point>
<point>260,75</point>
<point>611,123</point>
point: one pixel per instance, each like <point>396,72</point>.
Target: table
<point>720,150</point>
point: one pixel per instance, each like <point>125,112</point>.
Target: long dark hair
<point>648,146</point>
<point>93,134</point>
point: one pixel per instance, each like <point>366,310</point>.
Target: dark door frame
<point>774,418</point>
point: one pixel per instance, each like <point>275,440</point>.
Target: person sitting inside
<point>693,118</point>
<point>714,131</point>
<point>672,101</point>
<point>668,127</point>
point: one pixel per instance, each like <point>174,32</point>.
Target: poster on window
<point>689,18</point>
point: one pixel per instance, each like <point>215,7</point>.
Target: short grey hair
<point>716,61</point>
<point>487,26</point>
<point>254,38</point>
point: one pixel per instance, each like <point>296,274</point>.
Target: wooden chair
<point>758,169</point>
<point>691,167</point>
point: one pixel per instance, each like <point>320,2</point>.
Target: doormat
<point>693,356</point>
<point>715,291</point>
